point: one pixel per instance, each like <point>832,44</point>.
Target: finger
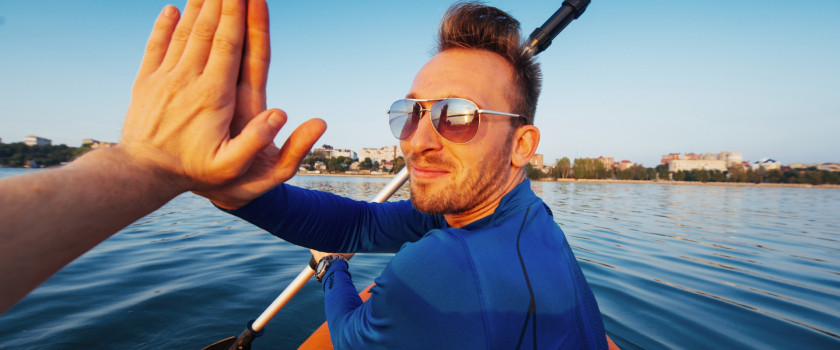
<point>297,146</point>
<point>226,55</point>
<point>206,35</point>
<point>182,33</point>
<point>158,43</point>
<point>258,134</point>
<point>257,46</point>
<point>253,75</point>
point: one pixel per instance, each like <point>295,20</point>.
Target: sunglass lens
<point>455,119</point>
<point>403,118</point>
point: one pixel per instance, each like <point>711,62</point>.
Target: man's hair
<point>473,25</point>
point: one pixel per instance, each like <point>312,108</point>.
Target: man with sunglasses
<point>481,262</point>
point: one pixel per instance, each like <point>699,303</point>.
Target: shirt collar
<point>519,197</point>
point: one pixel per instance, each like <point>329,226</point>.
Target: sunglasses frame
<point>423,111</point>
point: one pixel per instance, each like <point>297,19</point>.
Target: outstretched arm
<point>176,137</point>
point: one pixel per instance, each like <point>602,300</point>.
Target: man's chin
<point>427,199</point>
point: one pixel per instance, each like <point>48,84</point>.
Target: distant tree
<point>753,176</point>
<point>717,176</point>
<point>736,173</point>
<point>814,177</point>
<point>337,164</point>
<point>562,169</point>
<point>702,175</point>
<point>19,154</point>
<point>587,168</point>
<point>652,174</point>
<point>533,173</point>
<point>774,176</point>
<point>602,172</point>
<point>366,164</point>
<point>662,170</point>
<point>399,163</point>
<point>831,177</point>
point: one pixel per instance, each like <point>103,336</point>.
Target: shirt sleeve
<point>427,297</point>
<point>331,223</point>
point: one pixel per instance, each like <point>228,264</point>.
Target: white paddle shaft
<point>307,272</point>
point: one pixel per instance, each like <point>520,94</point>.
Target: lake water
<point>682,267</point>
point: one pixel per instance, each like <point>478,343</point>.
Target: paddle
<point>255,328</point>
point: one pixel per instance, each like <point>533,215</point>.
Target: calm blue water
<point>691,267</point>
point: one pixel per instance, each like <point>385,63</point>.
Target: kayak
<point>320,339</point>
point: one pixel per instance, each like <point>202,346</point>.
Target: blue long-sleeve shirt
<point>508,280</point>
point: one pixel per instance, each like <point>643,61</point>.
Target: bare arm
<point>176,137</point>
<point>51,217</point>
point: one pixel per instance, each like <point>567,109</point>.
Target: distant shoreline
<point>698,183</point>
<point>641,182</point>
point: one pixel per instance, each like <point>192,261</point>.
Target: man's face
<point>449,178</point>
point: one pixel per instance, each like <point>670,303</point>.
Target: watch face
<point>321,265</point>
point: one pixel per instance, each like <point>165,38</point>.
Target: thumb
<point>255,136</point>
<point>297,146</point>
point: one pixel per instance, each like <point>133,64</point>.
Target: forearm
<point>341,299</point>
<point>51,217</point>
<point>327,222</point>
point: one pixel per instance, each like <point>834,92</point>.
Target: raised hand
<point>181,116</point>
<point>272,165</point>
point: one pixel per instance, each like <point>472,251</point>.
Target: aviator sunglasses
<point>454,119</point>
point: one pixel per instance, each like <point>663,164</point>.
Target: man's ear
<point>525,142</point>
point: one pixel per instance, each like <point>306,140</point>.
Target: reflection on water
<point>692,267</point>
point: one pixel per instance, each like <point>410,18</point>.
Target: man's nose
<point>425,138</point>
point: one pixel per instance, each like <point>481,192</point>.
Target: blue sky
<point>630,79</point>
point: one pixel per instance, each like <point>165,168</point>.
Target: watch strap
<point>324,265</point>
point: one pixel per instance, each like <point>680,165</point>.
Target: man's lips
<point>428,172</point>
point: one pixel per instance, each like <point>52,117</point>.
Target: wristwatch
<point>324,265</point>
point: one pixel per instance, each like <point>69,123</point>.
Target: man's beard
<point>482,182</point>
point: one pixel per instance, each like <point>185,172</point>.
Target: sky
<point>630,80</point>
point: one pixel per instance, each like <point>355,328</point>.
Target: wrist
<point>151,165</point>
<point>118,165</point>
<point>325,263</point>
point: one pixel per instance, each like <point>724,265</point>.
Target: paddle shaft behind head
<point>540,38</point>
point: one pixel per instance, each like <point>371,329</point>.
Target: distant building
<point>819,166</point>
<point>328,151</point>
<point>608,162</point>
<point>829,166</point>
<point>381,155</point>
<point>537,161</point>
<point>669,157</point>
<point>96,144</point>
<point>709,161</point>
<point>624,165</point>
<point>687,165</point>
<point>731,158</point>
<point>36,141</point>
<point>767,164</point>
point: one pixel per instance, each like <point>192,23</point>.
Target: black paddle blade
<point>242,342</point>
<point>223,344</point>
